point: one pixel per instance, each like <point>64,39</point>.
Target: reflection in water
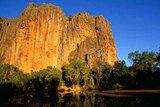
<point>88,99</point>
<point>96,100</point>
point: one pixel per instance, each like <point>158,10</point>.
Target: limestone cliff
<point>43,36</point>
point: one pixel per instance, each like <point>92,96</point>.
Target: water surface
<point>115,98</point>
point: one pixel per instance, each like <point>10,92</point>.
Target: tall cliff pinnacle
<point>43,36</point>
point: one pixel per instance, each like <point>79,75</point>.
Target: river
<point>113,98</point>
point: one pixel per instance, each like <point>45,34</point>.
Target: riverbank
<point>111,93</point>
<point>127,93</point>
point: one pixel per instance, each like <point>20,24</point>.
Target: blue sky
<point>135,23</point>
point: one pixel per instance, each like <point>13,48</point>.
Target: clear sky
<point>135,23</point>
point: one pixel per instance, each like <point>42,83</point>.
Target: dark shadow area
<point>35,91</point>
<point>7,92</point>
<point>96,100</point>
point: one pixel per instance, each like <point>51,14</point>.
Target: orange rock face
<point>43,36</point>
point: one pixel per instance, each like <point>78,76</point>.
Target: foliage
<point>142,60</point>
<point>119,70</point>
<point>143,78</point>
<point>144,73</point>
<point>157,64</point>
<point>11,74</point>
<point>47,75</point>
<point>91,84</point>
<point>75,73</point>
<point>156,78</point>
<point>4,71</point>
<point>106,80</point>
<point>97,71</point>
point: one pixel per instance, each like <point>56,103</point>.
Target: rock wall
<point>43,36</point>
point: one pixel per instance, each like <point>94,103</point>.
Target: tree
<point>106,80</point>
<point>75,73</point>
<point>143,78</point>
<point>158,59</point>
<point>101,74</point>
<point>142,60</point>
<point>156,78</point>
<point>120,69</point>
<point>97,71</point>
<point>144,66</point>
<point>7,70</point>
<point>11,74</point>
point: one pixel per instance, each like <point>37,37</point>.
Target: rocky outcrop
<point>43,36</point>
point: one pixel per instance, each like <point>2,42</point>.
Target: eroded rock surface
<point>43,36</point>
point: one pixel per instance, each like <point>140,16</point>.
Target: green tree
<point>75,73</point>
<point>47,75</point>
<point>7,70</point>
<point>122,75</point>
<point>144,65</point>
<point>141,61</point>
<point>98,70</point>
<point>106,80</point>
<point>120,69</point>
<point>158,59</point>
<point>4,72</point>
<point>56,74</point>
<point>11,74</point>
<point>17,78</point>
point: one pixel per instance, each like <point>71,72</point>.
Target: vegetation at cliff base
<point>144,73</point>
